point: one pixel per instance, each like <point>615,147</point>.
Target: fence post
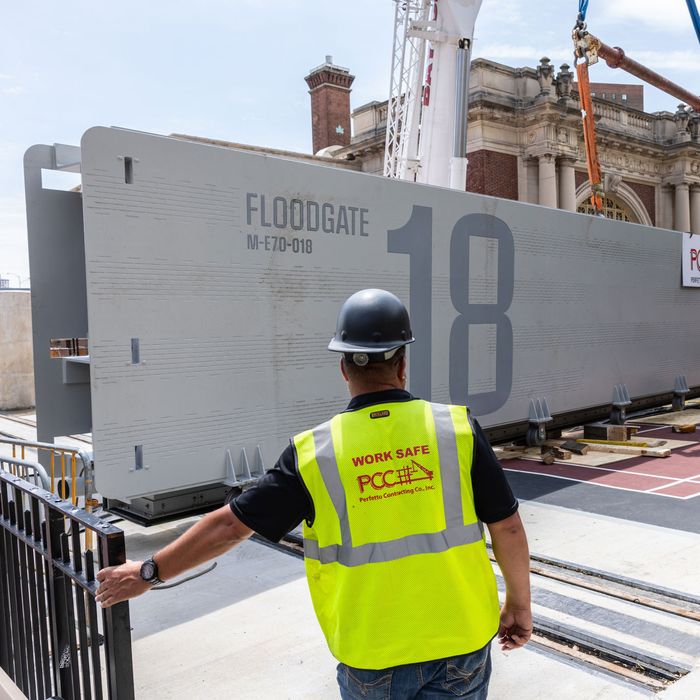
<point>56,581</point>
<point>5,614</point>
<point>116,618</point>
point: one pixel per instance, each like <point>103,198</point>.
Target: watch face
<point>148,570</point>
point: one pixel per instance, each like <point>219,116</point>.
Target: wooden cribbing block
<point>646,442</point>
<point>558,453</point>
<point>502,454</point>
<point>631,451</point>
<point>578,448</point>
<point>631,443</point>
<point>561,454</point>
<point>548,457</point>
<point>605,431</point>
<point>684,428</point>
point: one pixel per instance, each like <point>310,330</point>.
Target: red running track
<point>677,476</point>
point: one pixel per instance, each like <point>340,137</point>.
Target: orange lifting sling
<point>587,116</point>
<point>582,58</point>
<point>587,49</point>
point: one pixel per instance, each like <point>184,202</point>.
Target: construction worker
<point>392,493</point>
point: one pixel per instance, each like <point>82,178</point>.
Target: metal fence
<point>53,640</point>
<point>69,468</point>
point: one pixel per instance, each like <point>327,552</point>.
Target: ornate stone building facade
<point>526,143</point>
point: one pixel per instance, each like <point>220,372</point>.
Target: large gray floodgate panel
<point>214,277</point>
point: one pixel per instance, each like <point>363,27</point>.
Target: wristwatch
<point>149,571</point>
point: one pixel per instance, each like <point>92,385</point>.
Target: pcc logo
<point>394,477</point>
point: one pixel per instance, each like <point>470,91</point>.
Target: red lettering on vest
<point>412,451</point>
<point>377,485</point>
<point>372,458</point>
<point>400,477</point>
<point>363,480</point>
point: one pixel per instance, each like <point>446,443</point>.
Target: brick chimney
<point>329,87</point>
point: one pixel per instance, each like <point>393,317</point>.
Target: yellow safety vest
<point>395,558</point>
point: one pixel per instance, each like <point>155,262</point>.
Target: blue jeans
<point>465,676</point>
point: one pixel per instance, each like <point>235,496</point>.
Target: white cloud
<point>675,60</point>
<point>13,91</point>
<point>670,15</point>
<point>506,12</point>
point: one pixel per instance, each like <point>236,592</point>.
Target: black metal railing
<point>53,640</point>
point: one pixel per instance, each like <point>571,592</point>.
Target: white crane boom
<point>403,108</point>
<point>426,123</point>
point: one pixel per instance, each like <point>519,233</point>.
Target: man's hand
<point>510,547</point>
<point>515,629</point>
<point>119,583</point>
<point>213,535</point>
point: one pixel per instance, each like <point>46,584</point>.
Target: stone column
<point>548,181</point>
<point>695,208</point>
<point>681,213</point>
<point>664,218</point>
<point>567,184</point>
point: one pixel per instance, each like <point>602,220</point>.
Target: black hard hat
<point>372,323</point>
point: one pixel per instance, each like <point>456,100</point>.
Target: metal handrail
<point>49,483</point>
<point>19,467</point>
<point>62,450</point>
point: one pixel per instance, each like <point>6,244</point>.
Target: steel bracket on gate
<point>621,399</point>
<point>538,416</point>
<point>680,390</point>
<point>245,474</point>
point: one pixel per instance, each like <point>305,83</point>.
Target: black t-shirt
<point>279,501</point>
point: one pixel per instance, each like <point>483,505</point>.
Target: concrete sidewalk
<point>247,630</point>
<point>8,690</point>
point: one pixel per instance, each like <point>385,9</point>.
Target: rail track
<point>640,665</point>
<point>31,423</point>
<point>639,592</point>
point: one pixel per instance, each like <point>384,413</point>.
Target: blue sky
<point>234,70</point>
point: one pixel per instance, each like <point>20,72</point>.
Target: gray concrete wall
<point>16,362</point>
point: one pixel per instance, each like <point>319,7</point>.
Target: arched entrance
<point>621,205</point>
<point>613,208</point>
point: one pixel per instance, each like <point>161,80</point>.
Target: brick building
<point>626,95</point>
<point>525,142</point>
<point>329,87</point>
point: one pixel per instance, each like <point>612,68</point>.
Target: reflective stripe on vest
<point>376,552</point>
<point>455,533</point>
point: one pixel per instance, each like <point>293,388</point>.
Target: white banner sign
<point>691,260</point>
